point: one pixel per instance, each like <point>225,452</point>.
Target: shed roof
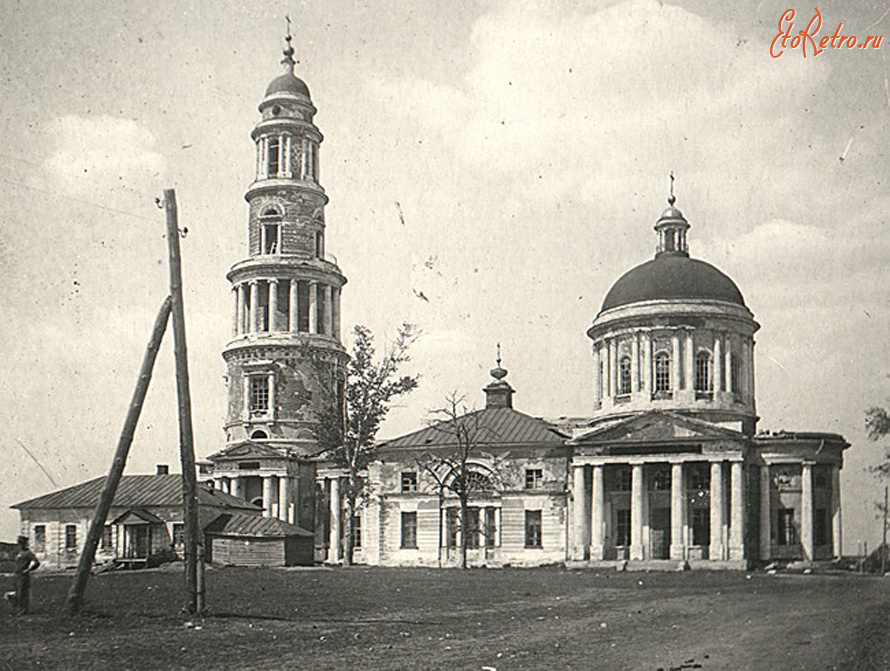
<point>254,526</point>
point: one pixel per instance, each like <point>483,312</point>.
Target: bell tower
<point>286,363</point>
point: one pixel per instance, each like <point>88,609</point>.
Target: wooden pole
<point>79,585</point>
<point>186,441</point>
<point>884,544</point>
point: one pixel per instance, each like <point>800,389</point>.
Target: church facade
<point>669,468</point>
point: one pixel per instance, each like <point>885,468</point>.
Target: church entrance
<point>660,533</point>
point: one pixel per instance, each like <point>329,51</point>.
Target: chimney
<point>163,469</point>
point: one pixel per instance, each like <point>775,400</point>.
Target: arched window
<point>662,372</point>
<point>270,231</point>
<point>624,375</point>
<point>259,434</point>
<point>703,382</point>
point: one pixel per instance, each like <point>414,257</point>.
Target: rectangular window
<point>71,538</point>
<point>40,538</point>
<point>357,531</point>
<point>451,527</point>
<point>270,238</point>
<point>259,394</point>
<point>662,373</point>
<point>472,527</point>
<point>785,527</point>
<point>490,529</point>
<point>701,526</point>
<point>660,478</point>
<point>532,528</point>
<point>699,476</point>
<point>623,479</point>
<point>409,530</point>
<point>105,543</point>
<point>409,481</point>
<point>622,527</point>
<point>178,534</point>
<point>703,372</point>
<point>534,478</point>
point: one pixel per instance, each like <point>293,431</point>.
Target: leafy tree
<point>348,429</point>
<point>877,424</point>
<point>450,466</point>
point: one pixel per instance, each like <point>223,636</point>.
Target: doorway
<point>660,533</point>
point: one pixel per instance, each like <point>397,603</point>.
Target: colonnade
<point>589,510</point>
<point>723,376</point>
<point>286,155</point>
<point>252,316</point>
<point>806,521</point>
<point>280,494</point>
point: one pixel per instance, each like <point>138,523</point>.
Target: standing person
<point>25,563</point>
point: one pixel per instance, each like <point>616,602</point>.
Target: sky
<point>505,159</point>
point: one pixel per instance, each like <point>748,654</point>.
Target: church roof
<point>492,426</point>
<point>288,83</point>
<point>669,277</point>
<point>135,491</point>
<point>656,426</point>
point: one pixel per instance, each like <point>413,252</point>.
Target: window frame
<point>408,530</point>
<point>258,400</point>
<point>662,373</point>
<point>624,376</point>
<point>534,478</point>
<point>534,530</point>
<point>408,482</point>
<point>786,533</point>
<point>704,382</point>
<point>39,534</point>
<point>70,538</point>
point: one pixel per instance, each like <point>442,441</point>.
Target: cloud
<point>102,154</point>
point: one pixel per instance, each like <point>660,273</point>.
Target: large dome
<point>669,277</point>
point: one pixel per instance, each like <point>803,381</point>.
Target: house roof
<point>254,526</point>
<point>492,426</point>
<point>135,491</point>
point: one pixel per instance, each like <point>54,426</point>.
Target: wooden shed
<point>240,539</point>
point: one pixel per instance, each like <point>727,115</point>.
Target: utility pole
<point>74,601</point>
<point>884,544</point>
<point>186,440</point>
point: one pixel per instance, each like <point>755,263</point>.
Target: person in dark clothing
<point>25,564</point>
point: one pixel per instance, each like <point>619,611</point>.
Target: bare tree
<point>451,469</point>
<point>349,428</point>
<point>877,424</point>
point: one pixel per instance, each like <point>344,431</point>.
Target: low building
<point>145,519</point>
<point>239,539</point>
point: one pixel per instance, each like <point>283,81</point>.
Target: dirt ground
<point>363,618</point>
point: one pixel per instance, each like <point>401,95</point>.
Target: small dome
<point>288,83</point>
<point>670,277</point>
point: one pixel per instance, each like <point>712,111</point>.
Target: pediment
<point>656,427</point>
<point>247,450</point>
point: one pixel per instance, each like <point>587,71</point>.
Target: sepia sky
<point>507,160</point>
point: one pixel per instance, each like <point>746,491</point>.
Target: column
<point>678,512</point>
<point>737,518</point>
<point>259,158</point>
<point>335,313</point>
<point>647,363</point>
<point>328,292</point>
<point>294,307</point>
<point>280,157</point>
<point>283,497</point>
<point>597,518</point>
<point>636,512</point>
<point>267,496</point>
<point>287,155</point>
<point>675,363</point>
<point>635,364</point>
<point>235,486</point>
<point>235,317</point>
<point>313,309</point>
<point>836,525</point>
<point>253,325</point>
<point>578,509</point>
<point>271,412</point>
<point>273,305</point>
<point>262,158</point>
<point>604,368</point>
<point>750,368</point>
<point>334,540</point>
<point>242,308</point>
<point>806,510</point>
<point>689,362</point>
<point>715,549</point>
<point>227,485</point>
<point>497,527</point>
<point>728,363</point>
<point>765,513</point>
<point>613,367</point>
<point>718,363</point>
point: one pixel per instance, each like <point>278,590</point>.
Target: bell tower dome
<point>286,363</point>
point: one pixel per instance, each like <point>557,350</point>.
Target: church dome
<point>288,83</point>
<point>672,276</point>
